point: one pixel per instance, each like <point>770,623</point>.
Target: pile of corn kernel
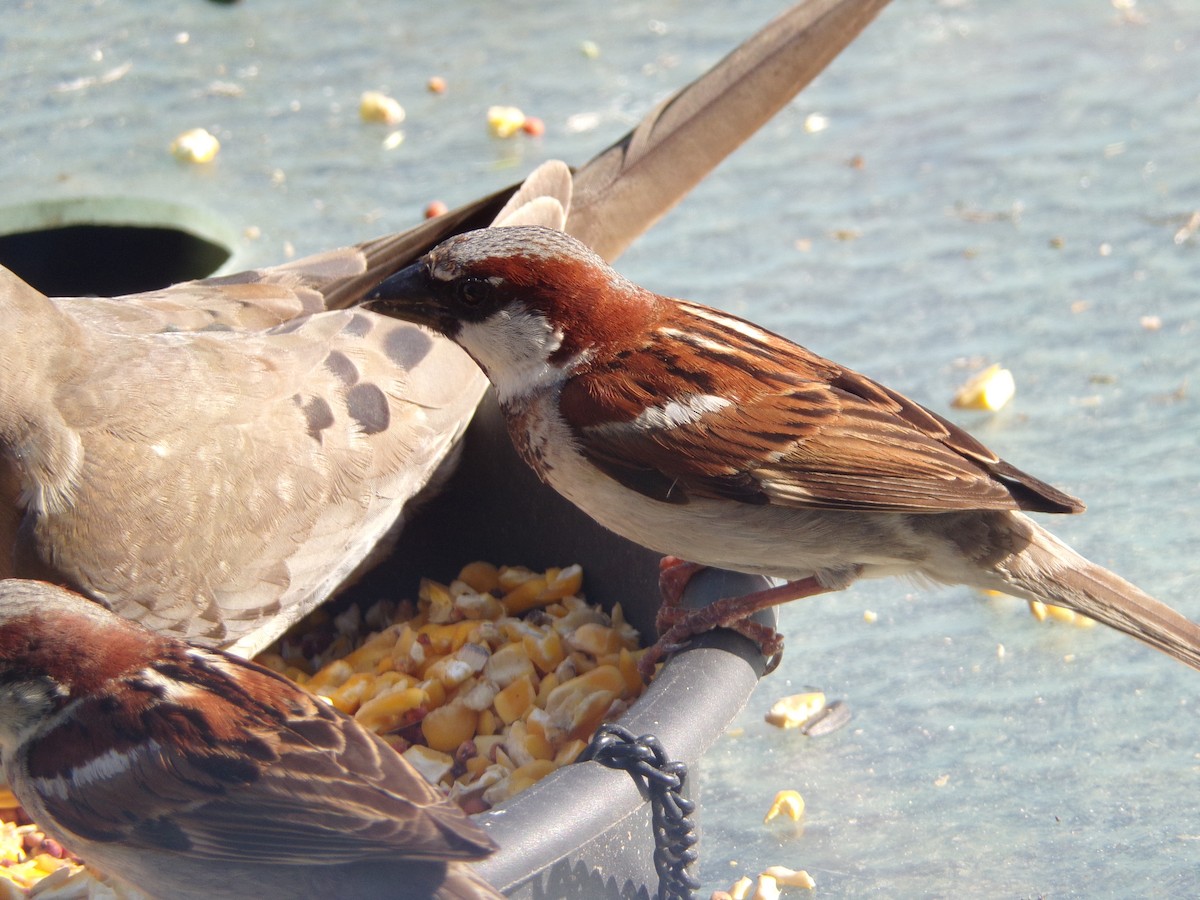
<point>27,856</point>
<point>488,685</point>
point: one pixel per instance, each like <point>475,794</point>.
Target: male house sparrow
<point>701,435</point>
<point>216,458</point>
<point>190,772</point>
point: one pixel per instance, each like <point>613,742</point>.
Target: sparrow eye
<point>474,292</point>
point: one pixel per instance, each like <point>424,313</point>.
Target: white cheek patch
<point>684,411</point>
<point>513,347</point>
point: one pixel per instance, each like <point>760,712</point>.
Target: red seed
<point>436,208</point>
<point>534,126</point>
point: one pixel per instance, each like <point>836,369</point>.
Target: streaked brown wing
<point>306,785</point>
<point>800,430</point>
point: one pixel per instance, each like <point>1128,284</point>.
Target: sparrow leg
<point>728,612</point>
<point>673,577</point>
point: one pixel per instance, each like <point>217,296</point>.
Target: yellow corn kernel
<point>366,657</point>
<point>433,764</point>
<point>475,766</point>
<point>487,723</point>
<point>627,665</point>
<point>595,639</point>
<point>546,650</point>
<point>446,638</point>
<point>526,596</point>
<point>789,802</point>
<point>196,145</point>
<point>794,710</point>
<point>545,687</point>
<point>435,692</point>
<point>601,678</point>
<point>478,606</point>
<point>538,747</point>
<point>515,700</point>
<point>988,390</point>
<point>481,576</point>
<point>331,677</point>
<point>530,773</point>
<point>512,576</point>
<point>386,682</point>
<point>350,695</point>
<point>486,744</point>
<point>562,583</point>
<point>297,675</point>
<point>767,888</point>
<point>791,877</point>
<point>505,121</point>
<point>435,601</point>
<point>574,712</point>
<point>376,106</point>
<point>569,752</point>
<point>386,712</point>
<point>741,888</point>
<point>447,727</point>
<point>451,671</point>
<point>507,664</point>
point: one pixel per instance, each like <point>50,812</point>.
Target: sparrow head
<point>55,647</point>
<point>526,302</point>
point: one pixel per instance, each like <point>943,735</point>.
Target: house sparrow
<point>189,772</point>
<point>703,436</point>
<point>216,458</point>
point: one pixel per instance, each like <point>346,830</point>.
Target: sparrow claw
<point>674,574</point>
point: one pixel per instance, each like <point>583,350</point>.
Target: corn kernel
<point>435,692</point>
<point>569,752</point>
<point>791,877</point>
<point>526,596</point>
<point>387,712</point>
<point>375,106</point>
<point>446,727</point>
<point>545,687</point>
<point>789,802</point>
<point>487,724</point>
<point>564,582</point>
<point>989,390</point>
<point>351,694</point>
<point>767,888</point>
<point>595,639</point>
<point>515,700</point>
<point>435,601</point>
<point>627,665</point>
<point>332,676</point>
<point>195,146</point>
<point>513,576</point>
<point>508,664</point>
<point>545,650</point>
<point>528,774</point>
<point>433,764</point>
<point>482,576</point>
<point>796,709</point>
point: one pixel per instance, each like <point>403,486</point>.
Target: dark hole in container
<point>108,260</point>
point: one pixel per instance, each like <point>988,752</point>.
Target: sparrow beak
<point>410,295</point>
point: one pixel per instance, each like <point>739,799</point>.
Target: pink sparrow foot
<point>676,624</point>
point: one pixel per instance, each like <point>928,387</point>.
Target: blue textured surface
<point>1024,176</point>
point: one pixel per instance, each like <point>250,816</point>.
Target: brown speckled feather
<point>801,430</point>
